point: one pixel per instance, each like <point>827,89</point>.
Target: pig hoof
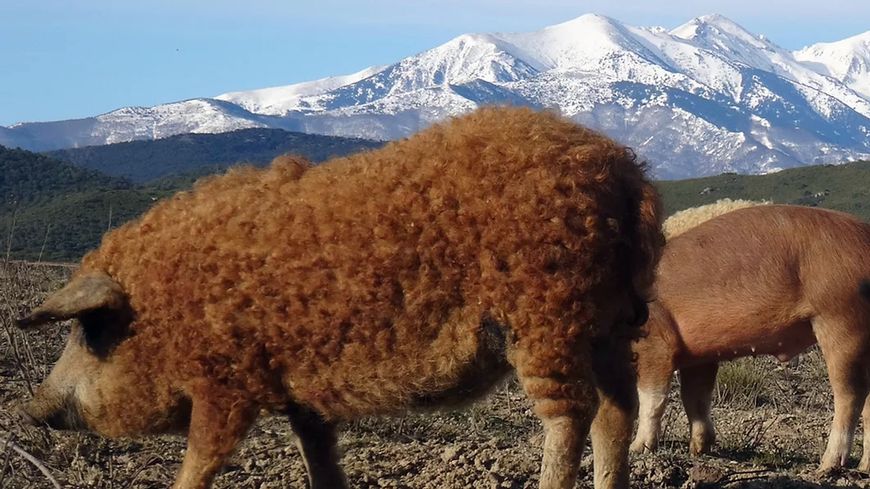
<point>640,447</point>
<point>828,469</point>
<point>700,447</point>
<point>696,449</point>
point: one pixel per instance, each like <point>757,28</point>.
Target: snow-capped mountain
<point>703,98</point>
<point>847,61</point>
<point>280,100</point>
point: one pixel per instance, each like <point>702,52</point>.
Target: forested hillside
<point>52,210</point>
<point>143,161</point>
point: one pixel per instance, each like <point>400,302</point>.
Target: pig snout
<point>59,416</point>
<point>24,417</point>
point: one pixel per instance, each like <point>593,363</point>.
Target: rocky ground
<point>772,422</point>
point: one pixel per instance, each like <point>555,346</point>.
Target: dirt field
<point>772,422</point>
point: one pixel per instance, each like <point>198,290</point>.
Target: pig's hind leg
<point>844,346</point>
<point>611,429</point>
<point>562,389</point>
<point>696,390</point>
<point>316,441</point>
<point>654,372</point>
<point>864,465</point>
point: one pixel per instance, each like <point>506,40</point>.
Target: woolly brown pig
<point>762,280</point>
<point>409,277</point>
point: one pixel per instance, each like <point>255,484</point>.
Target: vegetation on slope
<point>57,206</point>
<point>28,178</point>
<point>841,187</point>
<point>52,205</point>
<point>144,161</point>
<point>54,211</point>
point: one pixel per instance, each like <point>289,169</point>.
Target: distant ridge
<point>143,161</point>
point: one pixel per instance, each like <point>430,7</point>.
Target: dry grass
<point>772,422</point>
<point>22,364</point>
<point>742,383</point>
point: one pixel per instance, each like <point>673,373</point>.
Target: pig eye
<point>104,329</point>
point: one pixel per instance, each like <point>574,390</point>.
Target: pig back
<point>749,281</point>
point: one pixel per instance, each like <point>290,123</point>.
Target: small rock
<point>449,453</point>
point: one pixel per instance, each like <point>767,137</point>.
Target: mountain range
<point>704,98</point>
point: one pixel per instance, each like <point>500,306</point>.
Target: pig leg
<point>864,465</point>
<point>611,429</point>
<point>316,441</point>
<point>653,383</point>
<point>564,397</point>
<point>696,390</point>
<point>845,355</point>
<point>215,430</point>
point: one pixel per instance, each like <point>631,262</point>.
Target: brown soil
<point>771,430</point>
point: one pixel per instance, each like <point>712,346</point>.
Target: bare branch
<point>33,460</point>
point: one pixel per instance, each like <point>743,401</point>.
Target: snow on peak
<point>721,35</point>
<point>717,21</point>
<point>718,32</point>
<point>283,99</point>
<point>470,57</point>
<point>585,25</point>
<point>590,42</point>
<point>847,60</point>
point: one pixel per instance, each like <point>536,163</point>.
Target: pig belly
<point>448,371</point>
<point>708,343</point>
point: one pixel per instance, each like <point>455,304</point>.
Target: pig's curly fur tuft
<point>358,286</point>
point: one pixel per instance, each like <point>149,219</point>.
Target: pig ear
<point>85,293</point>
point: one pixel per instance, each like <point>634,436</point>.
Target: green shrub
<point>741,383</point>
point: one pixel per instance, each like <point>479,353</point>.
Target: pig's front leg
<point>216,427</point>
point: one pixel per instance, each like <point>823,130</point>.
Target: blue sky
<point>64,59</point>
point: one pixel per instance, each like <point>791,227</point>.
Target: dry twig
<point>33,460</point>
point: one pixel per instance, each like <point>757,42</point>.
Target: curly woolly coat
<point>387,280</point>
